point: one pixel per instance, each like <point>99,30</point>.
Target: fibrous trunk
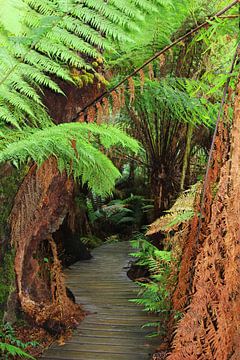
<point>40,207</point>
<point>209,285</point>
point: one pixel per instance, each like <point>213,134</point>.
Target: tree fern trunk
<point>186,155</point>
<point>160,190</point>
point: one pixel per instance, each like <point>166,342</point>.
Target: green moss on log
<point>10,180</point>
<point>7,279</point>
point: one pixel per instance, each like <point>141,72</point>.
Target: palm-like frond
<point>74,145</point>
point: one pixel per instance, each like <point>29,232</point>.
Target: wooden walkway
<point>112,330</point>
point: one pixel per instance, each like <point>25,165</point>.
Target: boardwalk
<point>113,330</point>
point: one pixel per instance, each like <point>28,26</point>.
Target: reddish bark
<point>40,207</point>
<point>64,108</point>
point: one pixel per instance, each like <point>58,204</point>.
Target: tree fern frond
<point>127,8</point>
<point>86,32</point>
<point>23,87</point>
<point>48,65</point>
<point>100,23</point>
<point>60,52</point>
<point>7,117</point>
<point>145,5</point>
<point>111,13</point>
<point>73,42</point>
<point>83,159</point>
<point>46,7</point>
<point>15,99</point>
<point>173,94</point>
<point>37,77</point>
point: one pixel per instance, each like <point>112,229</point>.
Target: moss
<point>215,187</point>
<point>10,180</point>
<point>7,279</point>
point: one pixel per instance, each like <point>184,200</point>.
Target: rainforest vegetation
<point>120,122</point>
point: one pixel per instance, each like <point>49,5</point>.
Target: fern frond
<point>47,65</point>
<point>90,35</point>
<point>38,78</point>
<point>100,23</point>
<point>112,13</point>
<point>73,42</point>
<point>14,351</point>
<point>74,145</point>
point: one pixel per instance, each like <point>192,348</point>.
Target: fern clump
<point>155,294</point>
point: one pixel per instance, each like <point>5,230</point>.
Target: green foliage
<point>115,213</point>
<point>174,98</point>
<point>180,218</point>
<point>7,278</point>
<point>10,346</point>
<point>58,39</point>
<point>149,255</point>
<point>181,212</point>
<point>121,212</point>
<point>10,15</point>
<point>156,32</point>
<point>75,147</point>
<point>12,351</point>
<point>154,295</point>
<point>158,117</point>
<point>219,43</point>
<point>91,241</point>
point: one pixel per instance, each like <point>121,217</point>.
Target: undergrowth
<point>154,294</point>
<point>10,346</point>
<point>7,277</point>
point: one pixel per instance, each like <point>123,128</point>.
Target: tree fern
<point>74,145</point>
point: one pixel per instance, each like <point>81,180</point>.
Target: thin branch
<point>233,16</point>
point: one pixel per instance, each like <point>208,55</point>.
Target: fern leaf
<point>14,351</point>
<point>84,161</point>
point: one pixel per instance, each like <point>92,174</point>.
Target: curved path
<point>112,330</point>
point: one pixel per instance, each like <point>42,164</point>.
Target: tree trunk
<point>186,155</point>
<point>43,201</point>
<point>159,190</point>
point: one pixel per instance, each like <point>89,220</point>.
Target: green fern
<point>83,159</point>
<point>154,296</point>
<point>11,347</point>
<point>49,39</point>
<point>11,350</point>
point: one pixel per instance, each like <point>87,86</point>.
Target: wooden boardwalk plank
<point>112,330</point>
